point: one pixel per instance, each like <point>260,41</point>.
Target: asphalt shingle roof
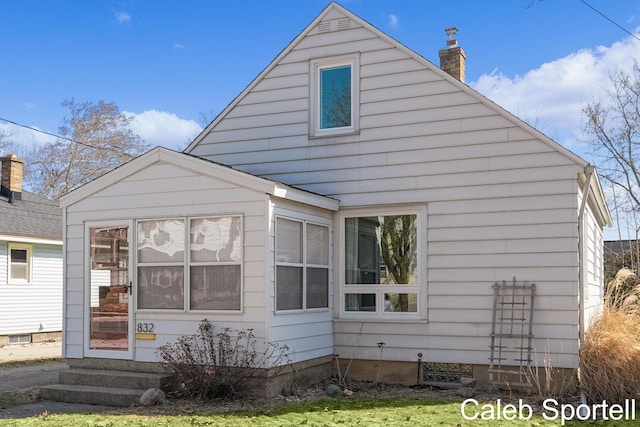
<point>33,216</point>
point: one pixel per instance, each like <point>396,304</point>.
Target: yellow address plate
<point>145,336</point>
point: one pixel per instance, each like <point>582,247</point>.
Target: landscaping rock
<point>333,390</point>
<point>465,392</point>
<point>468,382</point>
<point>153,396</point>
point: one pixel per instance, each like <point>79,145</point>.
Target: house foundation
<point>543,381</point>
<point>36,337</point>
<point>264,382</point>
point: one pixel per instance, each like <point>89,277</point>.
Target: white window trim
<point>315,65</point>
<point>304,265</point>
<point>190,264</point>
<point>186,264</point>
<point>420,288</point>
<point>29,249</point>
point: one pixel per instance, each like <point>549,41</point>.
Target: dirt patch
<point>356,390</point>
<point>19,397</point>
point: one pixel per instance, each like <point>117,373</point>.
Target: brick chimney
<point>452,57</point>
<point>11,180</point>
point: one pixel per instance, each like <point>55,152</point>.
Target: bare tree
<point>398,244</point>
<point>5,142</point>
<point>614,128</point>
<point>95,139</point>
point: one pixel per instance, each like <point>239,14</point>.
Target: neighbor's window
<point>335,96</point>
<point>211,255</point>
<point>302,265</point>
<point>381,264</point>
<point>19,263</point>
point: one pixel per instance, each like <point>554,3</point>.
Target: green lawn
<point>326,412</point>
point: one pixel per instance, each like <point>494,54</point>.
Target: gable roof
<point>333,8</point>
<point>32,218</point>
<point>204,167</point>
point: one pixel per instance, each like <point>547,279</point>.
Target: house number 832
<point>144,327</point>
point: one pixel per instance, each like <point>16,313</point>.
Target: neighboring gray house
<point>354,200</point>
<point>30,261</point>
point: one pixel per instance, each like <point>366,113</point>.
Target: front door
<point>109,314</point>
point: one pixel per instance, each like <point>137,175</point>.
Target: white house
<point>356,202</point>
<point>30,261</point>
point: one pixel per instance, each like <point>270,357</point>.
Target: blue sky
<point>168,63</point>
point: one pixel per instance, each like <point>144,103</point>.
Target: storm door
<point>109,314</point>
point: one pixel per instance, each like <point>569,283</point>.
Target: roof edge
<point>202,166</point>
<point>433,67</point>
<point>29,239</point>
<point>284,52</point>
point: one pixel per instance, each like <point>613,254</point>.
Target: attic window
<point>334,96</point>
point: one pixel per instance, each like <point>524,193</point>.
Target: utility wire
<point>61,137</point>
<point>45,132</point>
<point>610,20</point>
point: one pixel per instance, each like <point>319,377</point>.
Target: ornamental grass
<point>610,353</point>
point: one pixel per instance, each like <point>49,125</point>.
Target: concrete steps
<point>103,387</point>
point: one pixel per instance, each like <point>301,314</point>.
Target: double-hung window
<point>335,96</point>
<point>302,265</point>
<point>161,259</point>
<point>19,263</point>
<point>381,273</point>
<point>215,263</point>
<point>192,264</point>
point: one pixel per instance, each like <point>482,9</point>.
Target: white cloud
<point>23,138</point>
<point>393,21</point>
<point>552,96</point>
<point>164,129</point>
<point>178,46</point>
<point>122,18</point>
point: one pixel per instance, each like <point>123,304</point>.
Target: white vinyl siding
<point>164,190</point>
<point>593,268</point>
<point>36,307</point>
<point>308,333</point>
<point>501,201</point>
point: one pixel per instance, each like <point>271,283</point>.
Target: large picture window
<point>334,96</point>
<point>302,265</point>
<point>198,270</point>
<point>381,264</point>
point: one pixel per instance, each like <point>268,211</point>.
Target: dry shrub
<point>211,365</point>
<point>610,354</point>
